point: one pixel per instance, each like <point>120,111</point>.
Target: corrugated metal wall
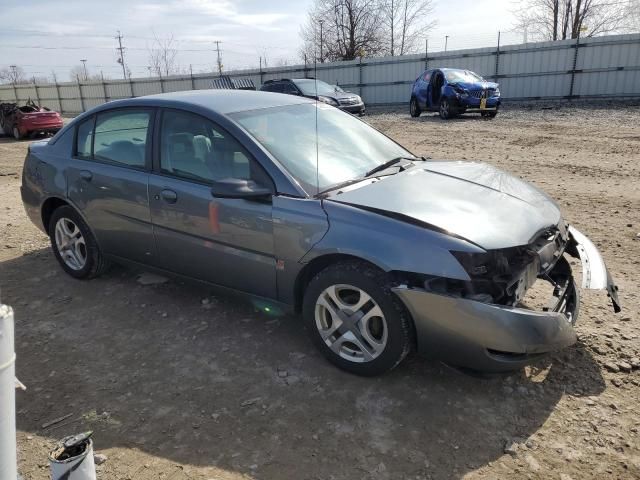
<point>593,67</point>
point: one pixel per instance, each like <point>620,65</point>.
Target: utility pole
<point>120,48</point>
<point>321,56</point>
<point>84,67</point>
<point>217,42</point>
<point>14,73</point>
<point>393,18</point>
<point>14,80</point>
<point>446,40</point>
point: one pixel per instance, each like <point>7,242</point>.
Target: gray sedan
<point>306,208</point>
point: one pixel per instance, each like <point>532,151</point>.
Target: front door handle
<point>169,196</point>
<point>86,175</point>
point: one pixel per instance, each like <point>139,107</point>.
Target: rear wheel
<point>414,108</point>
<point>355,319</point>
<point>74,246</point>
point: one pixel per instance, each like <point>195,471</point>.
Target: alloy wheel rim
<point>351,323</point>
<point>16,133</point>
<point>444,108</point>
<point>70,244</point>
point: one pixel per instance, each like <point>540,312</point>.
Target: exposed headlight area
<point>496,92</point>
<point>497,276</point>
<point>503,276</point>
<point>461,92</point>
<point>328,100</point>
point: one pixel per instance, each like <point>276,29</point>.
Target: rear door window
<point>289,88</point>
<point>276,87</point>
<point>121,137</point>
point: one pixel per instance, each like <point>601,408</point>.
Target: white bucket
<point>8,460</point>
<point>80,466</point>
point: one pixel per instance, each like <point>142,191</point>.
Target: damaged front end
<point>482,324</point>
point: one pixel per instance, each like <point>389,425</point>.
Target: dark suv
<point>318,90</point>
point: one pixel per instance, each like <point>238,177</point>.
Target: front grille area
<point>482,93</point>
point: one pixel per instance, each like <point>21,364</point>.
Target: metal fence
<point>597,67</point>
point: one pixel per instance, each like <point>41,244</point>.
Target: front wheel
<point>74,246</point>
<point>489,114</point>
<point>414,108</point>
<point>355,319</point>
<point>446,110</point>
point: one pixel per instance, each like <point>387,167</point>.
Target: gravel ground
<point>178,383</point>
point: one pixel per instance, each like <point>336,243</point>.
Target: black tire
<point>446,110</point>
<point>489,114</point>
<point>95,263</point>
<point>377,285</point>
<point>414,107</point>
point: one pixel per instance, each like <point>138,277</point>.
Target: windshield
<point>347,147</point>
<point>308,87</point>
<point>462,76</point>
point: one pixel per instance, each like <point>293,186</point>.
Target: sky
<point>54,35</point>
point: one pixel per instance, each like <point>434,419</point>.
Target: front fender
<point>391,244</point>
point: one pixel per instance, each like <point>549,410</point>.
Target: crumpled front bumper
<point>493,338</point>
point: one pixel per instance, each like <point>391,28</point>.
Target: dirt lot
<point>177,383</point>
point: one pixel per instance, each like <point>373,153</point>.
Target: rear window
<point>84,138</point>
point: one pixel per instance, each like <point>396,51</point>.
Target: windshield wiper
<point>386,165</point>
<point>341,185</point>
<point>379,168</point>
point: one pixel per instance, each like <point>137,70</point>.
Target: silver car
<point>308,209</point>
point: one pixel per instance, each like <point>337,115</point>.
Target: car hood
<point>475,201</point>
<point>476,85</point>
<point>341,95</point>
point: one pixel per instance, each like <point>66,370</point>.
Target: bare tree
<point>563,19</point>
<point>162,56</point>
<point>407,23</point>
<point>78,73</point>
<point>13,74</point>
<point>350,29</point>
<point>632,16</point>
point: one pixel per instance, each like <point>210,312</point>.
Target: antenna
<point>315,83</point>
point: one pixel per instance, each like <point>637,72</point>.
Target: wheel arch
<point>49,206</point>
<point>315,266</point>
<point>52,203</point>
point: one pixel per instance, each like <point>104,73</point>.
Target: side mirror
<point>239,188</point>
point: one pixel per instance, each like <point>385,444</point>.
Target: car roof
<point>220,101</point>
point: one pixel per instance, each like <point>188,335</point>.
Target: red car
<point>28,120</point>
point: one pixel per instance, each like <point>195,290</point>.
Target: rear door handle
<point>86,175</point>
<point>169,196</point>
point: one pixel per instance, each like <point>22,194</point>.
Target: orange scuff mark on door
<point>213,217</point>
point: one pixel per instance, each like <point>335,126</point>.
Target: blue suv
<point>451,92</point>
